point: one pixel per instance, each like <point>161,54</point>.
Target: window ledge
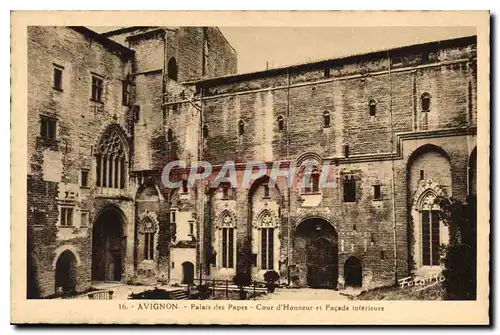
<point>49,140</point>
<point>97,101</point>
<point>85,187</point>
<point>57,89</point>
<point>61,226</point>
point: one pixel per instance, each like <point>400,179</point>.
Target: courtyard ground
<point>303,294</point>
<point>435,292</point>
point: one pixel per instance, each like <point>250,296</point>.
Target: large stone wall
<point>54,166</point>
<point>379,146</point>
<point>383,149</point>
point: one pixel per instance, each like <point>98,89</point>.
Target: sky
<point>261,47</point>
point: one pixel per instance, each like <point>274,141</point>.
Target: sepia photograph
<point>231,167</point>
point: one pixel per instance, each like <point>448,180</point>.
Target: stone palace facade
<point>108,111</point>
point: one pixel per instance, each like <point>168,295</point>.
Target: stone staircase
<point>179,294</point>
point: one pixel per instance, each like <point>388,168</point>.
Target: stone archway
<point>353,272</point>
<point>108,246</point>
<point>65,281</point>
<point>316,254</point>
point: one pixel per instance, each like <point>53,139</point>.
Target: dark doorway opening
<point>65,282</point>
<point>317,253</point>
<point>187,273</point>
<point>353,272</point>
<point>108,247</point>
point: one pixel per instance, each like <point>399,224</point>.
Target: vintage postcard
<point>280,168</point>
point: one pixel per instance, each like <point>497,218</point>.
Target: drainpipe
<point>393,181</point>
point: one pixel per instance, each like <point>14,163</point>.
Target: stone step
<point>179,294</point>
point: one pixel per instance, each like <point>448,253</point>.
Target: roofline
<point>225,39</point>
<point>123,51</point>
<point>322,63</point>
<point>125,30</point>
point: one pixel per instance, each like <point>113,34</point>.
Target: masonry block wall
<point>377,119</point>
<point>55,164</point>
<point>372,145</point>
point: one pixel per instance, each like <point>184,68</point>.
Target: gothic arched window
<point>111,158</point>
<point>227,233</point>
<point>267,226</point>
<point>429,227</point>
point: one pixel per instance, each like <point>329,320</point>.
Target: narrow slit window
<point>281,123</point>
<point>326,119</point>
<point>346,150</point>
<point>241,127</point>
<point>377,195</point>
<point>84,178</point>
<point>58,77</point>
<point>125,93</point>
<point>205,131</point>
<point>266,191</point>
<point>372,106</point>
<point>97,87</point>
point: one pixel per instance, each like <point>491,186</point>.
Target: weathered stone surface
<point>163,121</point>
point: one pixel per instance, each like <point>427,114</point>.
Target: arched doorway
<point>316,254</point>
<point>65,282</point>
<point>187,273</point>
<point>353,272</point>
<point>108,246</point>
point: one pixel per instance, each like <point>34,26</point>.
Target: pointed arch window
<point>111,159</point>
<point>227,234</point>
<point>326,119</point>
<point>170,135</point>
<point>267,232</point>
<point>430,230</point>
